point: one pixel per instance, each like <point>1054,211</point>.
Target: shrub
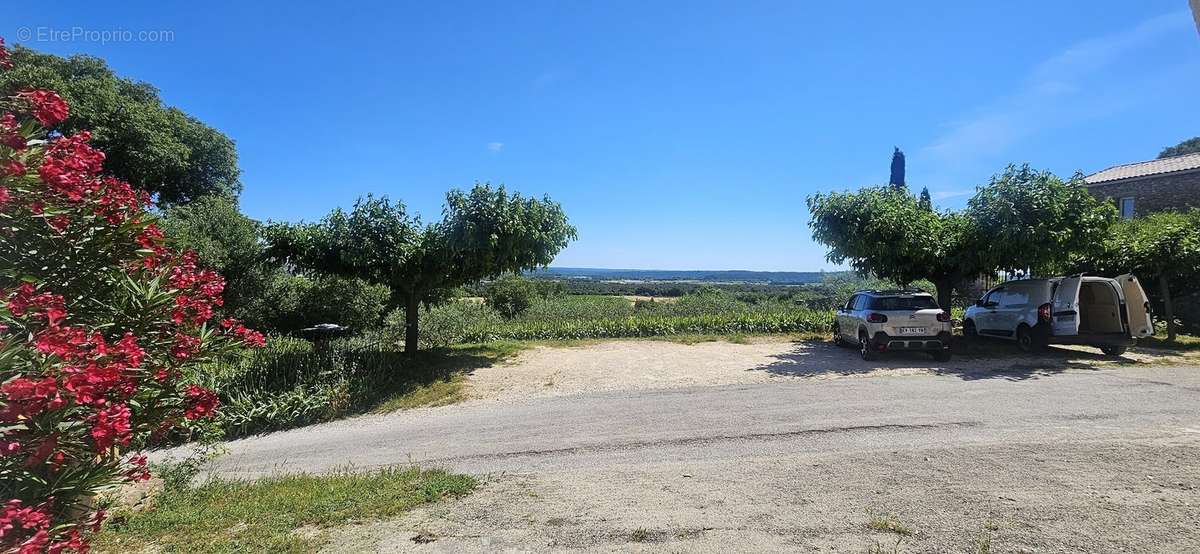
<point>444,324</point>
<point>97,323</point>
<point>510,295</point>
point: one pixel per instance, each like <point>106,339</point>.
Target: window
<point>993,296</point>
<point>897,303</point>
<point>1126,206</point>
<point>860,303</point>
<point>1014,297</point>
<point>851,302</point>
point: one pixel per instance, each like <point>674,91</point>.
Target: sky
<point>676,135</point>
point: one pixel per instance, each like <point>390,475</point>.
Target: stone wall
<point>1156,193</point>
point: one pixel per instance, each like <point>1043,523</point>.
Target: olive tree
<point>484,233</point>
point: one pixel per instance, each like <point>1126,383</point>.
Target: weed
<point>888,523</point>
<point>639,535</point>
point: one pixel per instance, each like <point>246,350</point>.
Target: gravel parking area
<point>632,365</point>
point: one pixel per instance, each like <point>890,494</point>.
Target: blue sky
<point>677,135</point>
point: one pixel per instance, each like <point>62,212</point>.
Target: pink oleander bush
<point>97,321</point>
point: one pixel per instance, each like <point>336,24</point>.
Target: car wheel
<point>1113,350</point>
<point>969,330</point>
<point>1026,341</point>
<point>865,348</point>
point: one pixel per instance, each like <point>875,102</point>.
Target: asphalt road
<point>1025,461</point>
<point>647,427</point>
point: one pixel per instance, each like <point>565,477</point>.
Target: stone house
<point>1141,188</point>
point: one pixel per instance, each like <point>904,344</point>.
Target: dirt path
<point>632,365</point>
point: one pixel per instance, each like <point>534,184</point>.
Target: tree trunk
<point>945,290</point>
<point>412,307</point>
<point>1168,310</point>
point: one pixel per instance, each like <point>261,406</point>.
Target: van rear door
<point>1137,305</point>
<point>1064,308</point>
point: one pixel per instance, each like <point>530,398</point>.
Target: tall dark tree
<point>925,201</point>
<point>157,148</point>
<point>484,233</point>
<point>897,178</point>
<point>1189,146</point>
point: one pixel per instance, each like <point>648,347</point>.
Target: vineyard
<point>571,317</point>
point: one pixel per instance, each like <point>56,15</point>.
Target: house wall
<point>1157,193</point>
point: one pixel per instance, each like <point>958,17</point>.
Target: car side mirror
<point>979,302</point>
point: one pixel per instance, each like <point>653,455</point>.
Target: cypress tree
<point>897,179</point>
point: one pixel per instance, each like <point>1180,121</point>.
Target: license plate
<point>912,330</point>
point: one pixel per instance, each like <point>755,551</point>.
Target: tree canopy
<point>1162,249</point>
<point>1189,146</point>
<point>1021,219</point>
<point>483,233</point>
<point>154,147</point>
<point>886,232</point>
<point>1034,220</point>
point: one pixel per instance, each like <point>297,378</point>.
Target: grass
<point>1159,341</point>
<point>447,385</point>
<point>888,523</point>
<point>279,514</point>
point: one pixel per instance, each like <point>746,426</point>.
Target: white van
<point>1097,311</point>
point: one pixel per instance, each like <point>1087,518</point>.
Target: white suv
<point>1108,313</point>
<point>884,321</point>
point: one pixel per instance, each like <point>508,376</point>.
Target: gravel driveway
<point>649,364</point>
<point>659,447</point>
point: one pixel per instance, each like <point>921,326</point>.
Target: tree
<point>885,232</point>
<point>1162,248</point>
<point>1189,146</point>
<point>511,295</point>
<point>483,234</point>
<point>926,201</point>
<point>154,147</point>
<point>225,240</point>
<point>99,324</point>
<point>1034,220</point>
<point>897,178</point>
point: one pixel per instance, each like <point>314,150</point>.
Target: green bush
<point>444,324</point>
<point>291,382</point>
<point>510,295</point>
<point>291,302</point>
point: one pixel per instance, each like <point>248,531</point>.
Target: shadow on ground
<point>972,360</point>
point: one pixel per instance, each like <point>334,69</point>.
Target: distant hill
<point>719,276</point>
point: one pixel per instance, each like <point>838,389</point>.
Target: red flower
<point>59,222</point>
<point>185,346</point>
<point>5,197</point>
<point>5,60</point>
<point>10,133</point>
<point>138,472</point>
<point>70,167</point>
<point>111,426</point>
<point>201,402</point>
<point>48,107</point>
<point>14,168</point>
